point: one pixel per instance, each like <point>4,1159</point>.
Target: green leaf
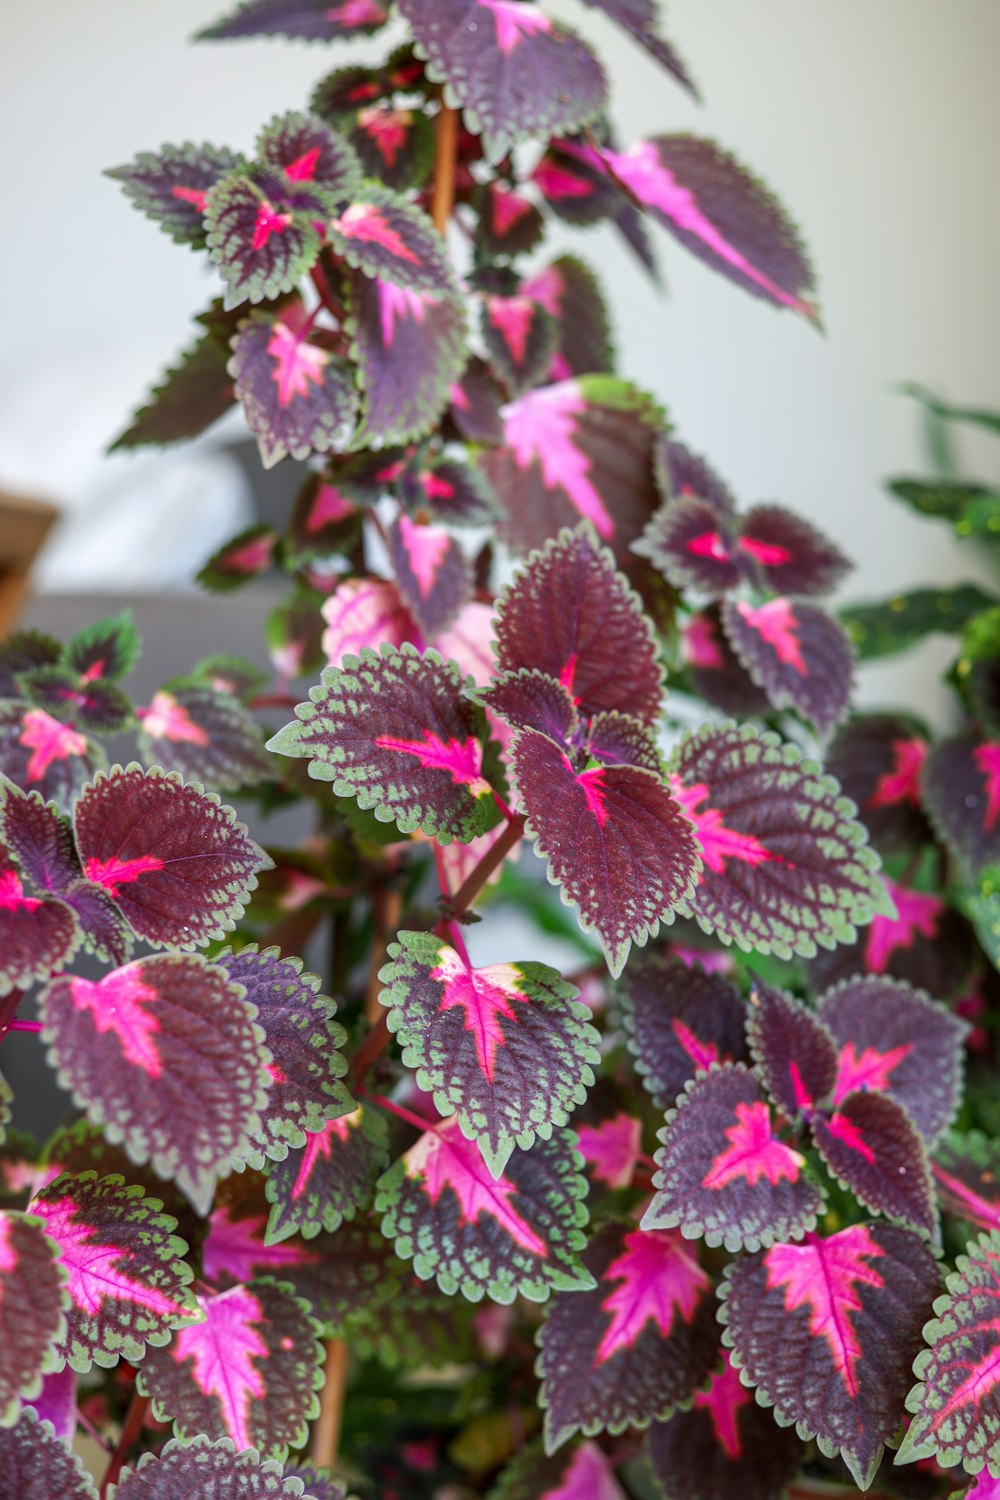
<point>900,622</point>
<point>981,904</point>
<point>975,416</point>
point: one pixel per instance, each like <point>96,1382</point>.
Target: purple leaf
<point>717,674</point>
<point>786,866</point>
<point>693,546</point>
<point>299,398</point>
<point>395,145</point>
<point>308,20</point>
<point>514,73</point>
<point>721,214</point>
<point>478,1235</point>
<point>204,735</point>
<point>249,1371</point>
<point>894,1039</point>
<point>324,520</point>
<point>105,650</point>
<point>126,1275</point>
<point>967,1174</point>
<point>579,450</point>
<point>450,490</point>
<point>164,1053</point>
<point>175,858</point>
<point>312,157</point>
<point>635,1346</point>
<point>725,1448</point>
<point>520,340</point>
<point>39,754</point>
<point>789,555</point>
<point>37,934</point>
<point>476,400</point>
<point>57,1404</point>
<point>678,1022</point>
<point>602,650</point>
<point>797,653</point>
<point>639,18</point>
<point>579,1473</point>
<point>509,223</point>
<point>36,1463</point>
<point>575,185</point>
<point>530,699</point>
<point>385,236</point>
<point>352,1269</point>
<point>319,1185</point>
<point>872,1147</point>
<point>955,1404</point>
<point>170,186</point>
<point>410,347</point>
<point>684,474</point>
<point>262,245</point>
<point>723,1174</point>
<point>31,1311</point>
<point>827,1330</point>
<point>304,1042</point>
<point>570,293</point>
<point>878,760</point>
<point>616,841</point>
<point>961,788</point>
<point>433,573</point>
<point>415,755</point>
<point>794,1053</point>
<point>189,396</point>
<point>506,1048</point>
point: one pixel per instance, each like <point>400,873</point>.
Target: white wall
<point>874,120</point>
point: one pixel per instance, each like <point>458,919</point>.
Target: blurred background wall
<point>876,123</point>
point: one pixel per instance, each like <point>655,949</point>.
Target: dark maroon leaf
<point>240,560</point>
<point>619,740</point>
<point>164,1054</point>
<point>684,474</point>
<point>575,186</point>
<point>476,400</point>
<point>354,1268</point>
<point>723,1172</point>
<point>203,735</point>
<point>533,700</point>
<point>309,20</point>
<point>126,1275</point>
<point>639,18</point>
<point>789,555</point>
<point>175,859</point>
<point>693,546</point>
<point>433,573</point>
<point>509,223</point>
<point>324,521</point>
<point>169,186</point>
<point>262,247</point>
<point>249,1371</point>
<point>520,1233</point>
<point>636,1345</point>
<point>717,674</point>
<point>967,1174</point>
<point>894,1039</point>
<point>602,650</point>
<point>581,449</point>
<point>520,340</point>
<point>311,156</point>
<point>955,1404</point>
<point>678,1021</point>
<point>395,145</point>
<point>786,866</point>
<point>507,1048</point>
<point>872,1147</point>
<point>298,397</point>
<point>582,1472</point>
<point>386,237</point>
<point>415,755</point>
<point>450,490</point>
<point>827,1331</point>
<point>304,1042</point>
<point>878,760</point>
<point>189,396</point>
<point>794,1053</point>
<point>616,841</point>
<point>319,1185</point>
<point>961,789</point>
<point>32,1323</point>
<point>38,934</point>
<point>36,1465</point>
<point>797,653</point>
<point>22,651</point>
<point>514,73</point>
<point>725,1448</point>
<point>570,293</point>
<point>410,347</point>
<point>40,754</point>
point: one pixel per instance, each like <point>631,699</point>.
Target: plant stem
<point>134,1419</point>
<point>326,1433</point>
<point>402,1113</point>
<point>25,1026</point>
<point>494,856</point>
<point>443,200</point>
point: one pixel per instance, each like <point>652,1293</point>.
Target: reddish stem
<point>446,927</point>
<point>330,302</point>
<point>400,1111</point>
<point>134,1419</point>
<point>25,1026</point>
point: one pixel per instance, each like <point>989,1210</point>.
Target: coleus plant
<point>671,1223</point>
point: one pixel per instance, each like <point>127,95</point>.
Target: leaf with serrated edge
<point>38,934</point>
<point>40,754</point>
<point>394,731</point>
<point>827,1331</point>
<point>189,396</point>
<point>169,186</point>
<point>163,1053</point>
<point>385,236</point>
<point>203,734</point>
<point>571,294</point>
<point>319,1185</point>
<point>32,1322</point>
<point>797,653</point>
<point>878,760</point>
<point>723,1173</point>
<point>37,1465</point>
<point>794,1053</point>
<point>507,1048</point>
<point>517,1234</point>
<point>306,20</point>
<point>961,791</point>
<point>634,1347</point>
<point>786,866</point>
<point>126,1275</point>
<point>871,1146</point>
<point>433,574</point>
<point>640,19</point>
<point>261,247</point>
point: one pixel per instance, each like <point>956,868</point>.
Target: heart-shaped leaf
<point>514,73</point>
<point>797,653</point>
<point>126,1274</point>
<point>310,20</point>
<point>635,1346</point>
<point>396,146</point>
<point>414,755</point>
<point>176,860</point>
<point>693,546</point>
<point>309,153</point>
<point>786,866</point>
<point>319,1185</point>
<point>35,1462</point>
<point>243,558</point>
<point>203,735</point>
<point>170,186</point>
<point>249,1371</point>
<point>679,1020</point>
<point>827,1331</point>
<point>507,1048</point>
<point>164,1053</point>
<point>304,1042</point>
<point>262,246</point>
<point>872,1146</point>
<point>38,934</point>
<point>20,652</point>
<point>517,1234</point>
<point>790,556</point>
<point>723,1172</point>
<point>32,1322</point>
<point>794,1052</point>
